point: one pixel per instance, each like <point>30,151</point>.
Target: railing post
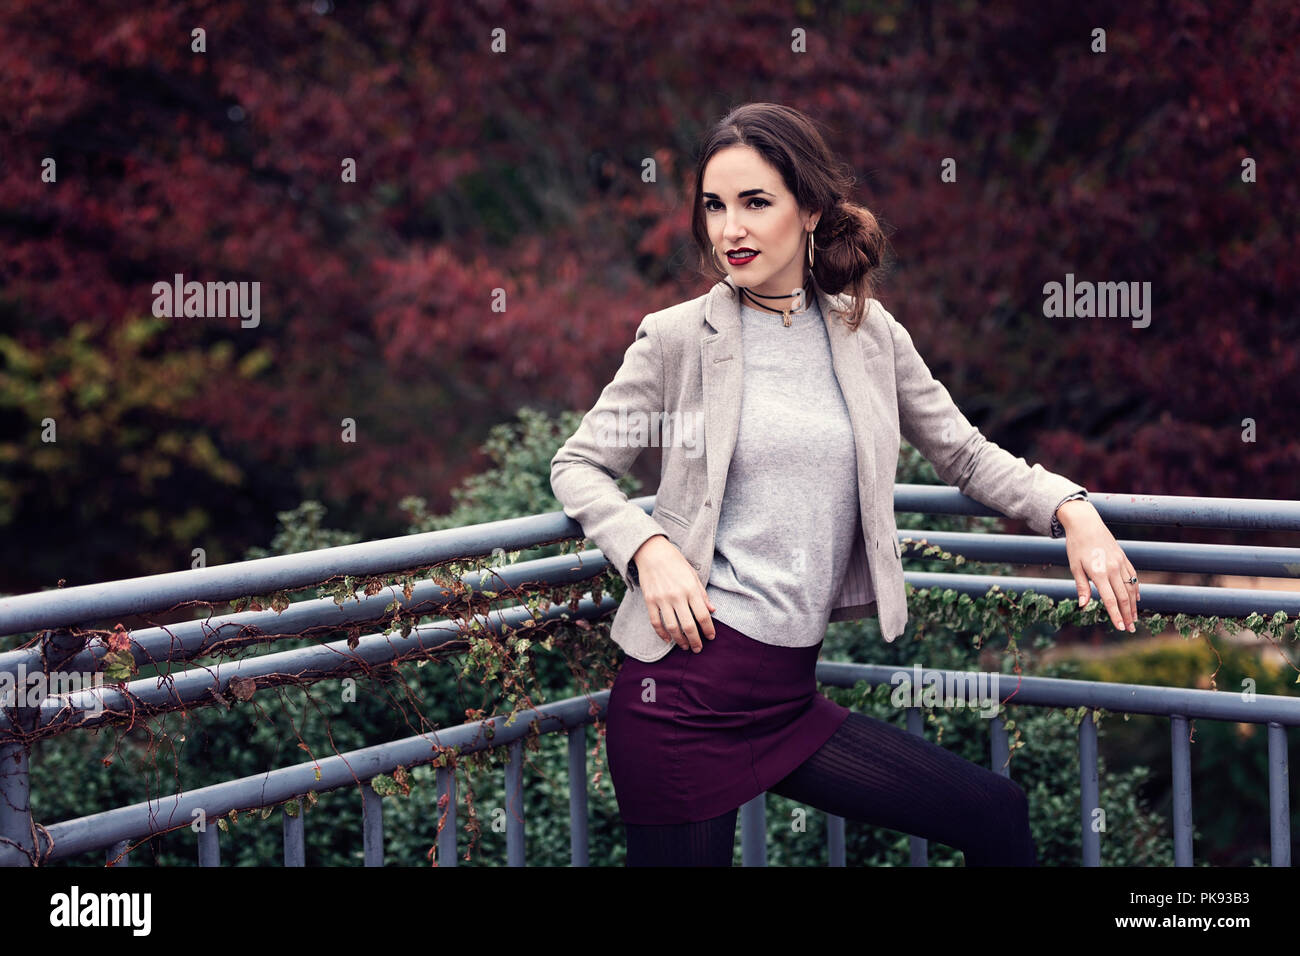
<point>16,846</point>
<point>118,854</point>
<point>999,746</point>
<point>1089,790</point>
<point>1182,784</point>
<point>753,831</point>
<point>578,796</point>
<point>835,840</point>
<point>295,848</point>
<point>515,804</point>
<point>210,844</point>
<point>918,847</point>
<point>1279,796</point>
<point>372,825</point>
<point>447,836</point>
<point>17,843</point>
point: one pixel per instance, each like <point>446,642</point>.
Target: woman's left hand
<point>1094,553</point>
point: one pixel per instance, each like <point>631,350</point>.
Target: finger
<point>702,618</point>
<point>1128,600</point>
<point>678,632</point>
<point>656,621</point>
<point>1108,598</point>
<point>667,628</point>
<point>1137,586</point>
<point>685,615</point>
<point>1123,597</point>
<point>1134,594</point>
<point>1081,584</point>
<point>1096,568</point>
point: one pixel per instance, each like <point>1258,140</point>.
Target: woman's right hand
<point>674,596</point>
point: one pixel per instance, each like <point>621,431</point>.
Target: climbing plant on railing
<point>512,668</point>
<point>1009,614</point>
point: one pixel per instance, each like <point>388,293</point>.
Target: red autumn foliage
<point>521,171</point>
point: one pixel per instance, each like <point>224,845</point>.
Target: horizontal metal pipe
<point>202,685</point>
<point>91,602</point>
<point>1155,599</point>
<point>1190,511</point>
<point>188,640</point>
<point>108,704</point>
<point>1192,558</point>
<point>1062,692</point>
<point>141,820</point>
<point>62,607</point>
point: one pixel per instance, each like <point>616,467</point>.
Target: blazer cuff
<point>1058,530</point>
<point>622,541</point>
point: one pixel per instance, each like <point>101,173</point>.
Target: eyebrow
<point>747,192</point>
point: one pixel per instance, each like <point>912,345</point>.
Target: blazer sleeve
<point>931,421</point>
<point>585,469</point>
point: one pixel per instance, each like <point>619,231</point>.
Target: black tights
<point>875,773</point>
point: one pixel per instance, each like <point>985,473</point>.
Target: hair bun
<point>842,222</point>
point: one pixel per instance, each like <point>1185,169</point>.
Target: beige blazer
<point>683,370</point>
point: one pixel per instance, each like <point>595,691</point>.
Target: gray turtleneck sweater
<point>790,507</point>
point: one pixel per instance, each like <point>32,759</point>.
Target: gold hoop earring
<point>811,243</point>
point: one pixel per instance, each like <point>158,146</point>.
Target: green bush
<point>286,726</point>
<point>289,725</point>
<point>1229,760</point>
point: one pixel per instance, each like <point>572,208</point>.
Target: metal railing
<point>58,613</point>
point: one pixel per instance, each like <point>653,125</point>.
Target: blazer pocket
<point>672,516</point>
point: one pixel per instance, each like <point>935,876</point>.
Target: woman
<point>783,520</point>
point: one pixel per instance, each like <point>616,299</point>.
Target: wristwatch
<point>1057,529</point>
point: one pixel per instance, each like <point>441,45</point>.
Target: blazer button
<point>708,503</point>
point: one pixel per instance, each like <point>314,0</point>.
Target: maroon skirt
<point>691,736</point>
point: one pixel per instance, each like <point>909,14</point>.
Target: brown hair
<point>849,245</point>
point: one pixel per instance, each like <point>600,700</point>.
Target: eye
<point>710,203</point>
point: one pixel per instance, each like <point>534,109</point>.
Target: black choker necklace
<point>785,313</point>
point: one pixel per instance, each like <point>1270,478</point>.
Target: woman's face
<point>746,206</point>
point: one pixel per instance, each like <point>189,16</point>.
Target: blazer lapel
<point>849,363</point>
<point>721,362</point>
